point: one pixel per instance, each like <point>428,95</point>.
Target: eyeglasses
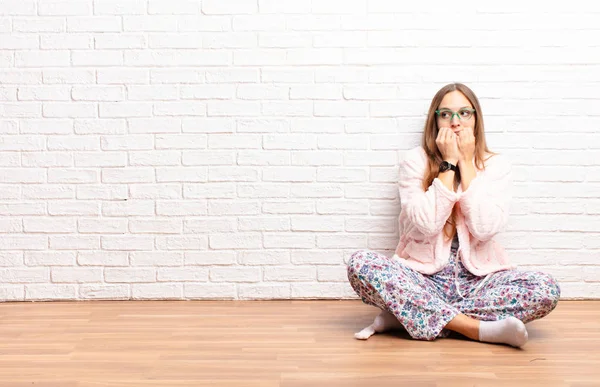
<point>463,114</point>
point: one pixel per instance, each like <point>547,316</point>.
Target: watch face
<point>444,166</point>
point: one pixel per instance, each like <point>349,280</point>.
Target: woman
<point>448,273</point>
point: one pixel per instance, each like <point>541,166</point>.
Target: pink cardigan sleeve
<point>485,204</point>
<point>429,210</point>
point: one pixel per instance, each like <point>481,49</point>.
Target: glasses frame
<point>470,110</point>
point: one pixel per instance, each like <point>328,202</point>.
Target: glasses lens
<point>445,114</point>
<point>465,114</point>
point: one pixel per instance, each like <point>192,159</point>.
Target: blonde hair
<point>434,156</point>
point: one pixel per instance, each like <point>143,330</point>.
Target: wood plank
<point>275,343</point>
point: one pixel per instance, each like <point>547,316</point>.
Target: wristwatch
<point>445,166</point>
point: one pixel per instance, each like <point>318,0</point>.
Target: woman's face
<point>453,105</point>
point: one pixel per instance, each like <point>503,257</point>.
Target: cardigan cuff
<point>444,191</point>
<point>466,197</point>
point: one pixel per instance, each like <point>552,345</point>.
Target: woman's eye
<point>465,113</point>
<point>445,114</point>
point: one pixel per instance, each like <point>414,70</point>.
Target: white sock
<point>510,331</point>
<point>383,322</point>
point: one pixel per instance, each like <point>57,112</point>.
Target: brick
<point>74,242</point>
<point>235,274</point>
<point>123,76</point>
<point>317,190</point>
<point>233,207</point>
<point>209,258</point>
<point>12,292</point>
<point>50,258</point>
<point>262,157</point>
<point>127,243</point>
<point>70,109</point>
<point>264,291</point>
<point>263,190</point>
<point>182,274</point>
<point>129,275</point>
<point>158,226</point>
<point>53,159</point>
<point>181,208</point>
<point>332,274</point>
<point>259,23</point>
<point>289,40</point>
<point>104,292</point>
<point>58,225</point>
<point>267,257</point>
<point>102,226</point>
<point>179,109</point>
<point>162,125</point>
<point>341,175</point>
<point>317,257</point>
<point>290,273</point>
<point>157,291</point>
<point>125,109</point>
<point>233,174</point>
<point>42,292</point>
<point>209,190</point>
<point>73,208</point>
<point>155,158</point>
<point>246,240</point>
<point>18,7</point>
<point>317,223</point>
<point>128,208</point>
<point>13,259</point>
<point>21,110</point>
<point>210,291</point>
<point>208,125</point>
<point>337,241</point>
<point>128,175</point>
<point>19,175</point>
<point>289,240</point>
<point>120,7</point>
<point>102,192</point>
<point>184,242</point>
<point>149,258</point>
<point>24,275</point>
<point>155,191</point>
<point>316,158</point>
<point>174,7</point>
<point>212,224</point>
<point>216,7</point>
<point>100,159</point>
<point>98,93</point>
<point>102,258</point>
<point>262,125</point>
<point>295,174</point>
<point>66,42</point>
<point>177,174</point>
<point>76,274</point>
<point>263,224</point>
<point>94,24</point>
<point>289,207</point>
<point>46,24</point>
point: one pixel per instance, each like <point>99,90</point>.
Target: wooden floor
<point>275,343</point>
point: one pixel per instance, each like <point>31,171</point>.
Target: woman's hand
<point>466,146</point>
<point>447,143</point>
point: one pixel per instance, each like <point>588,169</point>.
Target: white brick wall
<point>243,149</point>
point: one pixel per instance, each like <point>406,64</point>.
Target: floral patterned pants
<point>424,304</point>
